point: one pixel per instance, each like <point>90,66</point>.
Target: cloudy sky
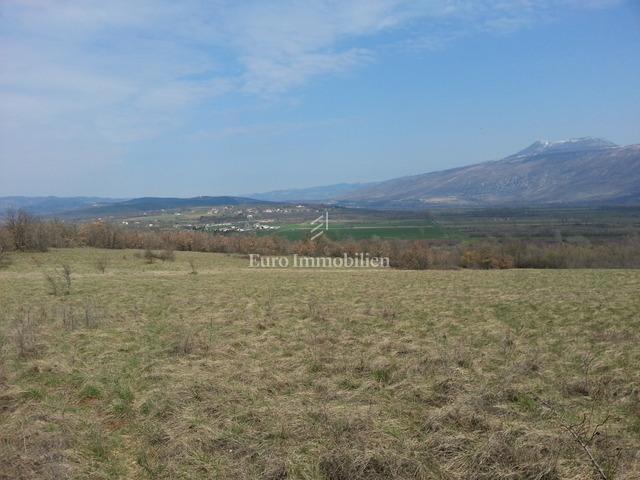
<point>158,97</point>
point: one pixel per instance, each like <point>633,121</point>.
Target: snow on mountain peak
<point>569,145</point>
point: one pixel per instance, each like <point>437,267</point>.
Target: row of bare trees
<point>23,232</point>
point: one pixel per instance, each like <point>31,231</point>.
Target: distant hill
<point>326,193</point>
<point>159,203</point>
<point>583,171</point>
<point>155,204</point>
<point>51,205</point>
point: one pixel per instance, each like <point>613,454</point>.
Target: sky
<point>133,98</point>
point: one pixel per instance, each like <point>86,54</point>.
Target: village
<point>221,219</point>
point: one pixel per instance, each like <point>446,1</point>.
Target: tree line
<point>21,231</point>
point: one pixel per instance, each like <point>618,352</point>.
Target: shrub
<point>416,257</point>
<point>167,255</point>
<point>148,255</point>
<point>59,281</point>
<point>102,263</point>
<point>193,266</point>
<point>5,259</point>
<point>486,255</point>
<point>24,333</point>
<point>24,232</point>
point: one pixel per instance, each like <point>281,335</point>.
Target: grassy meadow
<point>201,367</point>
<point>400,229</point>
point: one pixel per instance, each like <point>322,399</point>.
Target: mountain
<point>572,145</point>
<point>327,193</point>
<point>166,203</point>
<point>52,205</point>
<point>155,204</point>
<point>583,171</point>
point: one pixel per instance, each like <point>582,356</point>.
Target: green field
<point>402,229</point>
<point>152,371</point>
<point>596,223</point>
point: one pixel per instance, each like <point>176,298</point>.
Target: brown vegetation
<point>152,372</point>
<point>23,232</point>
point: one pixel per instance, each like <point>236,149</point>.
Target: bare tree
<point>26,231</point>
<point>17,223</point>
<point>583,433</point>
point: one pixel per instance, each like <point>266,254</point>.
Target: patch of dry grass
<point>149,371</point>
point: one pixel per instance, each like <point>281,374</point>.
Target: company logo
<point>321,225</point>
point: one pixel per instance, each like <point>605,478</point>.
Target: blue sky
<point>155,97</point>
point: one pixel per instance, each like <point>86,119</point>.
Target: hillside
<point>156,204</point>
<point>51,205</point>
<point>325,193</point>
<point>583,171</point>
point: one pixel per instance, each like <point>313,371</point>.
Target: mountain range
<point>580,172</point>
<point>326,193</point>
<point>140,205</point>
<point>79,207</point>
<point>52,205</point>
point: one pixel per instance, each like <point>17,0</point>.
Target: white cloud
<point>120,71</point>
<point>274,75</point>
<point>119,51</point>
<point>177,94</point>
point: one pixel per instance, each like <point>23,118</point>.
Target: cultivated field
<point>203,368</point>
<point>411,229</point>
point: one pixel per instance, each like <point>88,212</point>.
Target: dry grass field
<point>148,370</point>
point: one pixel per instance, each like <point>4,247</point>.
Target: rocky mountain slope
<point>580,171</point>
